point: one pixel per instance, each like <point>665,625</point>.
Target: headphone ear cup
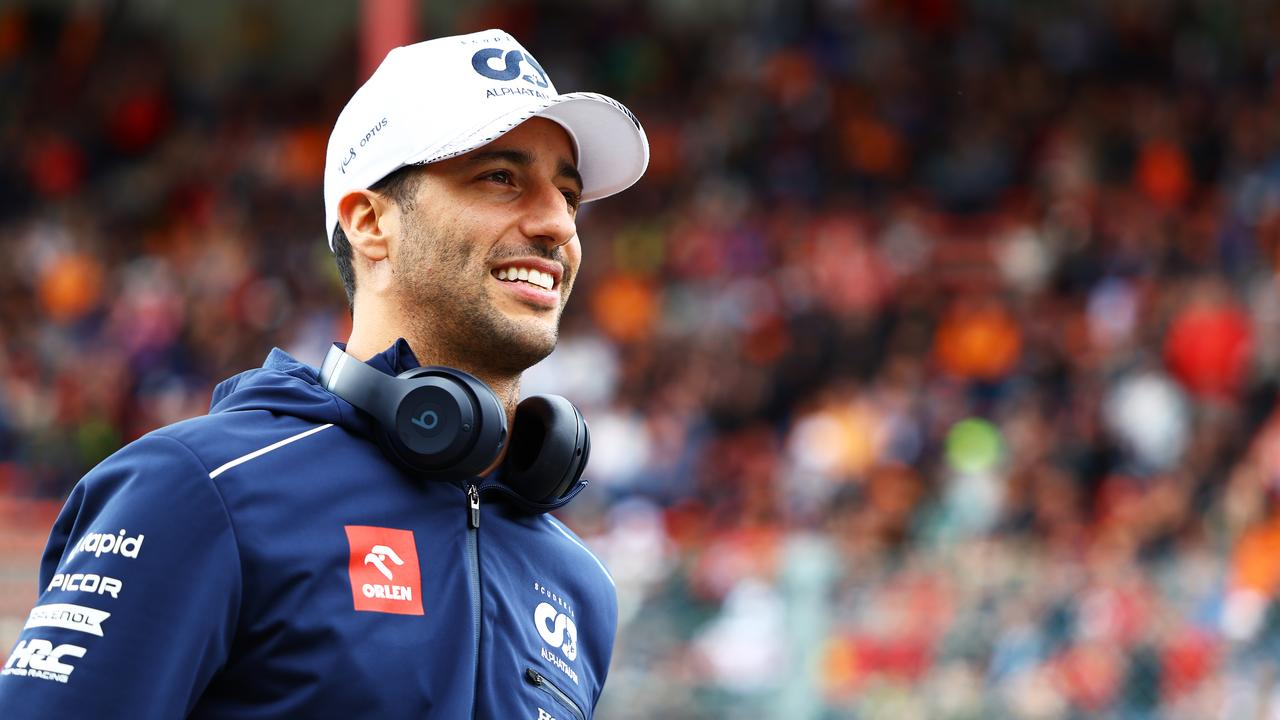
<point>446,421</point>
<point>550,444</point>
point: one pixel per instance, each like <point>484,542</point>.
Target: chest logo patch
<point>384,570</point>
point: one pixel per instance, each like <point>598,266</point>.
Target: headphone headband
<point>352,380</point>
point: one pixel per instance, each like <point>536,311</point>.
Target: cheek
<point>446,243</point>
<point>572,260</point>
<point>573,254</point>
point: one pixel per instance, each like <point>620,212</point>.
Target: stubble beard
<point>450,314</point>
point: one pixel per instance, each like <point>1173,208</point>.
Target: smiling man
<point>475,261</point>
<point>314,546</point>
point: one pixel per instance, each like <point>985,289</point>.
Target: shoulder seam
<point>563,531</point>
<point>263,451</point>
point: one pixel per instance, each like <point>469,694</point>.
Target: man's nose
<point>548,217</point>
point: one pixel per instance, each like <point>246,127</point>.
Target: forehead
<point>537,136</point>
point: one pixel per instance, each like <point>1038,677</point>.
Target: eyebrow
<point>521,158</point>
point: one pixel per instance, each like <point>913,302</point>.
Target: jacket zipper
<point>540,681</point>
<point>473,568</point>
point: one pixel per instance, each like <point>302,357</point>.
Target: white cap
<point>444,97</point>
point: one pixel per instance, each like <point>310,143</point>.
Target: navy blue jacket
<point>266,561</point>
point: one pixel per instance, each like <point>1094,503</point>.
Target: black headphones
<point>441,422</point>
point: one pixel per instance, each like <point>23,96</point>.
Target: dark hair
<point>399,187</point>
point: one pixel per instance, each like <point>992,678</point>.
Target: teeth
<point>533,277</point>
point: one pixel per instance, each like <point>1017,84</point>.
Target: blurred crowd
<point>931,369</point>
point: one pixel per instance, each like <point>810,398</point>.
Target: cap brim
<point>613,150</point>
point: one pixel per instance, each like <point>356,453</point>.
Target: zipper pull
<point>473,505</point>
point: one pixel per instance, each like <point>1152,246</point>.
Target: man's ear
<point>370,220</point>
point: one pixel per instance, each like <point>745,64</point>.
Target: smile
<point>546,281</point>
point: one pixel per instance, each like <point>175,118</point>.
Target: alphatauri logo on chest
<point>553,618</point>
<point>384,570</point>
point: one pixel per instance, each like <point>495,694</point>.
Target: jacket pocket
<point>540,681</point>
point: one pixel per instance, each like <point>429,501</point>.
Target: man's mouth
<point>532,276</point>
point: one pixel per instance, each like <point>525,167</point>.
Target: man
<point>276,558</point>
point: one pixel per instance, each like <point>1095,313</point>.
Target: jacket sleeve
<point>139,592</point>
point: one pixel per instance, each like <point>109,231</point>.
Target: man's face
<point>489,249</point>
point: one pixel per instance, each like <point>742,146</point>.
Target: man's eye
<point>573,198</point>
<point>501,176</point>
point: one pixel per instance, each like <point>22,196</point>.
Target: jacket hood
<point>287,386</point>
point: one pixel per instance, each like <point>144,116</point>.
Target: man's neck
<point>365,343</point>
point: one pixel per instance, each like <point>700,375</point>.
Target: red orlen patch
<point>384,570</point>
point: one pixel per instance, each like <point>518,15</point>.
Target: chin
<point>541,344</point>
<point>526,346</point>
<point>518,359</point>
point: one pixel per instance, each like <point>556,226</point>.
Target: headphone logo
<point>427,420</point>
<point>511,70</point>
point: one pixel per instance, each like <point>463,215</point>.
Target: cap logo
<point>511,70</point>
